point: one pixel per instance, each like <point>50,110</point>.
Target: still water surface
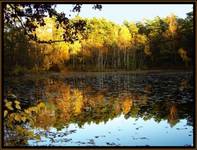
<point>110,109</point>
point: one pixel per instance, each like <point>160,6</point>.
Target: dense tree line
<point>103,45</point>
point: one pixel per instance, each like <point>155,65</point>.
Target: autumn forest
<point>101,45</point>
<point>75,80</point>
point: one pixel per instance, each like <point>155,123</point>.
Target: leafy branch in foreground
<point>30,16</point>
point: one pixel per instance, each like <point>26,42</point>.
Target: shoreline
<point>68,74</point>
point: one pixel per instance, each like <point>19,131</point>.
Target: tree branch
<point>49,42</point>
<point>18,18</point>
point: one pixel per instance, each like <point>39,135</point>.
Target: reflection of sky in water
<point>122,132</point>
<point>161,96</point>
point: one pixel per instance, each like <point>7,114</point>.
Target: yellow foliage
<point>18,106</point>
<point>9,105</point>
<point>124,37</point>
<point>45,118</point>
<point>27,111</point>
<point>17,117</point>
<point>30,134</point>
<point>41,105</point>
<point>127,104</point>
<point>19,129</point>
<point>75,47</point>
<point>99,99</point>
<point>172,117</point>
<point>78,104</point>
<point>173,111</point>
<point>33,109</point>
<point>16,102</point>
<point>117,107</point>
<point>23,116</point>
<point>183,54</point>
<point>23,119</point>
<point>37,137</point>
<point>5,113</point>
<point>172,23</point>
<point>11,117</point>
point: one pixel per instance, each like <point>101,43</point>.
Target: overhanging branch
<point>49,42</point>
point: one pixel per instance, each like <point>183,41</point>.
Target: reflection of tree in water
<point>77,101</point>
<point>127,104</point>
<point>84,104</point>
<point>172,117</point>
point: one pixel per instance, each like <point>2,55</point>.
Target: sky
<point>131,12</point>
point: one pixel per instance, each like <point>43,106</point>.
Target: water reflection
<point>95,101</point>
<point>118,132</point>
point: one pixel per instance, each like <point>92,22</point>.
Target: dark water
<point>110,109</point>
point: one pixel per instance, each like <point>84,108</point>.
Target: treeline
<point>158,43</point>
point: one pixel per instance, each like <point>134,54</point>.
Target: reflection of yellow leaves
<point>27,111</point>
<point>37,137</point>
<point>17,117</point>
<point>41,105</point>
<point>79,104</point>
<point>11,117</point>
<point>23,119</point>
<point>5,113</point>
<point>77,95</point>
<point>45,118</point>
<point>9,105</point>
<point>117,107</point>
<point>173,111</point>
<point>127,105</point>
<point>19,129</point>
<point>99,99</point>
<point>172,117</point>
<point>31,109</point>
<point>30,134</point>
